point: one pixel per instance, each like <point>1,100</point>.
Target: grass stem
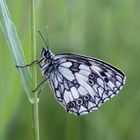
<point>35,117</point>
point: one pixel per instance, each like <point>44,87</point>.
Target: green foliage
<point>11,36</point>
<point>108,30</point>
<point>10,33</point>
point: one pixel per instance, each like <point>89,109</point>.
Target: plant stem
<point>35,117</point>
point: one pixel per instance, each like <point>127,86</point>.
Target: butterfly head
<point>47,55</point>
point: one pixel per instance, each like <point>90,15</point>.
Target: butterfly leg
<point>39,86</point>
<point>27,65</point>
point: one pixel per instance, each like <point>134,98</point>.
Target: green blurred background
<point>106,29</point>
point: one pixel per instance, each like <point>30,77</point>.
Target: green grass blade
<point>10,33</point>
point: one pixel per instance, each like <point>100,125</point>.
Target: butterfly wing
<point>82,84</point>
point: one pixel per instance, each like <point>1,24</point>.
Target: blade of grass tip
<point>10,33</point>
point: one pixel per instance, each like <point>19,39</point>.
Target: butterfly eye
<point>79,101</point>
<point>43,53</point>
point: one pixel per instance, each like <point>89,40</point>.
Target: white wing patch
<point>74,92</point>
<point>66,73</point>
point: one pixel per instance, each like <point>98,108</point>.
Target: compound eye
<point>43,53</point>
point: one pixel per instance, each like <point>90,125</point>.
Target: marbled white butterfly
<point>80,84</point>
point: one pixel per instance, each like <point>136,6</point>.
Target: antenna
<point>46,42</point>
<point>47,37</point>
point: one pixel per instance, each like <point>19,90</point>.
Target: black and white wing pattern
<point>82,84</point>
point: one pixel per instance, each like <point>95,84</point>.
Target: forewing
<point>81,84</point>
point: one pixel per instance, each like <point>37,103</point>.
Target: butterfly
<point>80,84</point>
